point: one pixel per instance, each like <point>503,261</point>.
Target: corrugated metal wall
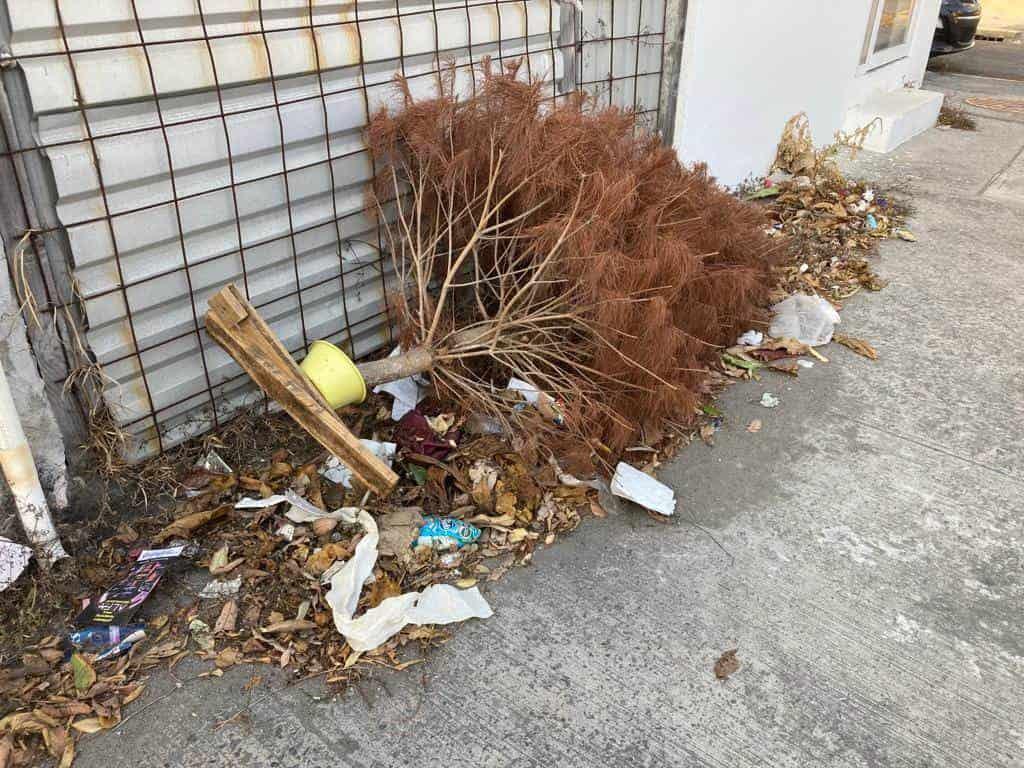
<point>192,143</point>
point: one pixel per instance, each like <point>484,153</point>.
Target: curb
<point>995,34</point>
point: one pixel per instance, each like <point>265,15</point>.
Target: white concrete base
<point>899,115</point>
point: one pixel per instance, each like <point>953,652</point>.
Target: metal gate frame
<point>39,255</point>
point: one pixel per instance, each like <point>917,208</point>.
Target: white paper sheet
<point>13,559</point>
<point>630,483</point>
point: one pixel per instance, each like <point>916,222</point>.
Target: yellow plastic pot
<point>331,372</point>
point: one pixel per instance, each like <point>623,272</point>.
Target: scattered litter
<point>204,473</point>
<point>446,533</point>
<point>399,529</point>
<point>727,664</point>
<point>123,646</point>
<point>859,346</point>
<point>269,501</point>
<point>750,339</point>
<point>220,589</point>
<point>406,392</point>
<point>286,531</point>
<point>768,400</point>
<point>299,510</point>
<point>160,554</point>
<point>832,224</point>
<point>415,435</point>
<point>478,424</point>
<point>302,511</point>
<point>639,487</point>
<point>335,470</point>
<point>808,319</point>
<point>754,426</point>
<point>13,559</point>
<point>805,363</point>
<point>441,603</point>
<point>103,636</point>
<point>906,234</point>
<point>542,401</point>
<point>118,604</point>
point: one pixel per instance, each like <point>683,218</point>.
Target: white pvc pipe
<point>20,470</point>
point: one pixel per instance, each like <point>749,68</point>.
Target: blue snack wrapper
<point>446,532</point>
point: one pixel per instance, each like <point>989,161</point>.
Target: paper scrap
<point>13,559</point>
<point>159,554</point>
<point>337,471</point>
<point>750,339</point>
<point>407,392</point>
<point>219,589</point>
<point>639,487</point>
<point>299,510</point>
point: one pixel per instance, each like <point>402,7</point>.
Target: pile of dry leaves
<point>832,223</point>
<point>262,593</point>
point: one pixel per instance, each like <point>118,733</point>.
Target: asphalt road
<point>985,59</point>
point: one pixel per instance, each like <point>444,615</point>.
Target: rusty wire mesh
<point>75,301</point>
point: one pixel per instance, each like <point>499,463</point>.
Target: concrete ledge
<point>900,115</point>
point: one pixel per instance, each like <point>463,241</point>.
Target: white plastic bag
<point>808,319</point>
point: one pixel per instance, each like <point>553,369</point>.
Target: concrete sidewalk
<point>864,552</point>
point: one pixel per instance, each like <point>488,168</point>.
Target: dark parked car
<point>957,24</point>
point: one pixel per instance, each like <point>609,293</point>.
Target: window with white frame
<point>888,32</point>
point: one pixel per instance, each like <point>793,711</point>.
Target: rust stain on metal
<point>495,23</point>
<point>138,60</point>
<point>260,57</point>
<point>351,32</point>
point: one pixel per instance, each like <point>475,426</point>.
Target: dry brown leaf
<point>489,521</point>
<point>505,504</point>
<point>88,725</point>
<point>516,535</point>
<point>465,583</point>
<point>227,619</point>
<point>789,368</point>
<point>859,346</point>
<point>289,625</point>
<point>597,510</point>
<point>383,587</point>
<point>133,694</point>
<point>727,664</point>
<point>324,558</point>
<point>707,434</point>
<point>68,756</point>
<point>184,526</point>
<point>227,657</point>
<point>324,525</point>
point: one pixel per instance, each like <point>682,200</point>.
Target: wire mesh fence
<point>154,152</point>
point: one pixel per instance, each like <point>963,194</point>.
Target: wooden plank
<point>230,300</point>
<point>247,343</point>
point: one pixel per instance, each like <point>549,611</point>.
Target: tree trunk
<point>416,360</point>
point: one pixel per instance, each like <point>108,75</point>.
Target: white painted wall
<point>750,65</point>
